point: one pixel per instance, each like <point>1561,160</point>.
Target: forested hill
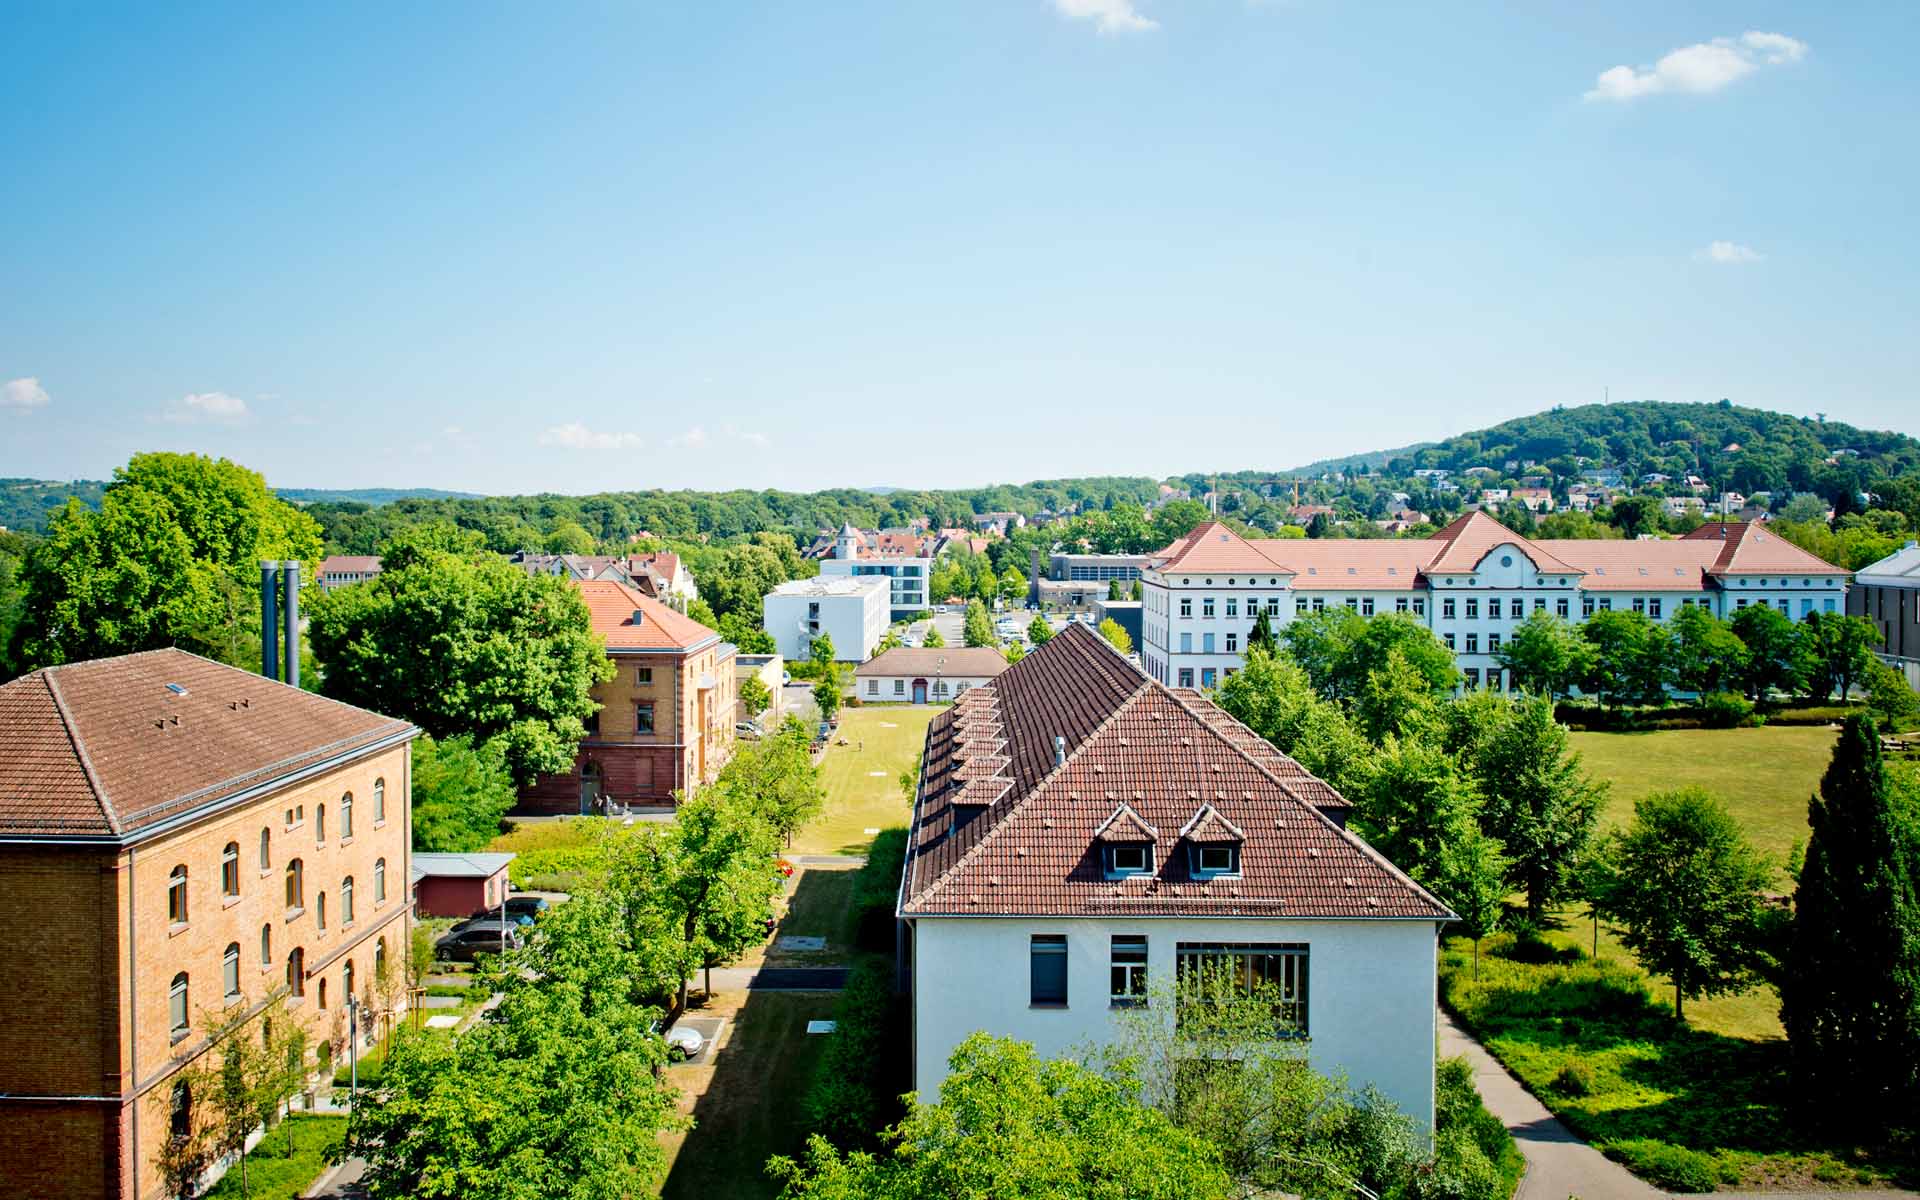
<point>373,496</point>
<point>1741,449</point>
<point>25,503</point>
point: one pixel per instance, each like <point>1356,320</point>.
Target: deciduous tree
<point>1776,652</point>
<point>1546,655</point>
<point>1629,661</point>
<point>1540,805</point>
<point>755,696</point>
<point>1839,648</point>
<point>1039,630</point>
<point>1116,636</point>
<point>460,792</point>
<point>1704,653</point>
<point>978,627</point>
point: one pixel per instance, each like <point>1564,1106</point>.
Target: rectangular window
<point>1130,859</point>
<point>1206,608</point>
<point>1784,607</point>
<point>1047,954</point>
<point>643,718</point>
<point>1493,643</point>
<point>1129,971</point>
<point>1653,608</point>
<point>1493,678</point>
<point>1516,608</point>
<point>873,687</point>
<point>1277,970</point>
<point>1186,643</point>
<point>1206,643</point>
<point>1640,604</point>
<point>1828,602</point>
<point>592,724</point>
<point>1353,605</point>
<point>1473,677</point>
<point>1299,604</point>
<point>1473,643</point>
<point>1539,604</point>
<point>1419,607</point>
<point>1207,676</point>
<point>899,687</point>
<point>1586,606</point>
<point>643,675</point>
<point>1273,606</point>
<point>1186,677</point>
<point>1233,643</point>
<point>1399,604</point>
<point>1186,606</point>
<point>1740,603</point>
<point>1473,608</point>
<point>1366,607</point>
<point>1448,639</point>
<point>1560,608</point>
<point>1216,860</point>
<point>1446,609</point>
<point>1319,604</point>
<point>1606,604</point>
<point>1233,606</point>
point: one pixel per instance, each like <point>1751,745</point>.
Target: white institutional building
<point>897,561</point>
<point>1083,836</point>
<point>1472,583</point>
<point>853,611</point>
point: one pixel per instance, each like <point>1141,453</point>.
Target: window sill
<point>1057,1007</point>
<point>265,871</point>
<point>346,841</point>
<point>378,825</point>
<point>294,914</point>
<point>1123,1002</point>
<point>177,928</point>
<point>231,998</point>
<point>230,901</point>
<point>176,1036</point>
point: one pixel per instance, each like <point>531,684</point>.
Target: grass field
<point>746,1103</point>
<point>862,778</point>
<point>1765,776</point>
<point>553,855</point>
<point>275,1174</point>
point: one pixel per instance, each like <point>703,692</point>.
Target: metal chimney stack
<point>269,619</point>
<point>290,577</point>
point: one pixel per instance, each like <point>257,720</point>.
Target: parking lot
<point>952,625</point>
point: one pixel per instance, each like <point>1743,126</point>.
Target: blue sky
<point>513,248</point>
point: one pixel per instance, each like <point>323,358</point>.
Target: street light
<point>353,1049</point>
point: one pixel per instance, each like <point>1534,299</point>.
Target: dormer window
<point>1126,844</point>
<point>1130,858</point>
<point>1216,860</point>
<point>1213,844</point>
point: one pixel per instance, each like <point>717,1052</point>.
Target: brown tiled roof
<point>1751,549</point>
<point>355,563</point>
<point>968,662</point>
<point>106,748</point>
<point>1471,537</point>
<point>1333,564</point>
<point>613,605</point>
<point>1213,547</point>
<point>1126,825</point>
<point>1130,743</point>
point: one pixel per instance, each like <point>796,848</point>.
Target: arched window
<point>346,901</point>
<point>177,895</point>
<point>346,816</point>
<point>266,946</point>
<point>230,870</point>
<point>266,851</point>
<point>230,971</point>
<point>320,824</point>
<point>296,885</point>
<point>320,910</point>
<point>180,1112</point>
<point>177,1007</point>
<point>379,801</point>
<point>297,973</point>
<point>323,991</point>
<point>379,881</point>
<point>379,957</point>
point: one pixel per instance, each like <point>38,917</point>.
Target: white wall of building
<point>853,612</point>
<point>898,689</point>
<point>1370,991</point>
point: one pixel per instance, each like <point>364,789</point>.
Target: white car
<point>684,1043</point>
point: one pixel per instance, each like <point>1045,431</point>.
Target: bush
<point>1474,1157</point>
<point>856,1082</point>
<point>876,889</point>
<point>1675,1168</point>
<point>1574,1079</point>
<point>1725,710</point>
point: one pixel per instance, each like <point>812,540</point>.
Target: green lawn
<point>1765,775</point>
<point>275,1174</point>
<point>746,1105</point>
<point>552,854</point>
<point>862,778</point>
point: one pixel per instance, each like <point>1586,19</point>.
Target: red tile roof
<point>1752,549</point>
<point>1130,743</point>
<point>108,748</point>
<point>614,606</point>
<point>965,662</point>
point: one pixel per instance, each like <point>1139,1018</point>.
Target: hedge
<point>877,889</point>
<point>857,1084</point>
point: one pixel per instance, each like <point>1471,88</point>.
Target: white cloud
<point>23,395</point>
<point>760,440</point>
<point>1702,67</point>
<point>692,439</point>
<point>575,435</point>
<point>1729,252</point>
<point>208,406</point>
<point>1108,16</point>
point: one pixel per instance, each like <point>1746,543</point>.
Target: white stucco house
<point>896,558</point>
<point>919,674</point>
<point>1082,833</point>
<point>853,610</point>
<point>1472,583</point>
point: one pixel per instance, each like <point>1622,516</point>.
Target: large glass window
<point>177,895</point>
<point>266,850</point>
<point>643,718</point>
<point>1276,971</point>
<point>1129,970</point>
<point>230,869</point>
<point>1048,955</point>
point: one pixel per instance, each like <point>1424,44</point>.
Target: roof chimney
<point>270,618</point>
<point>1059,751</point>
<point>290,609</point>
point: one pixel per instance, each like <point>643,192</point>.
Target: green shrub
<point>1574,1079</point>
<point>876,890</point>
<point>1675,1168</point>
<point>1725,710</point>
<point>852,1093</point>
<point>1474,1157</point>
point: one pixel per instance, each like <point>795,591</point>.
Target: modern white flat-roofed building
<point>895,558</point>
<point>853,610</point>
<point>1082,833</point>
<point>1472,583</point>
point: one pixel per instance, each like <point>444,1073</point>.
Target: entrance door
<point>589,788</point>
<point>919,691</point>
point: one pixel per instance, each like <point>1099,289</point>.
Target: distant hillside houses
<point>662,575</point>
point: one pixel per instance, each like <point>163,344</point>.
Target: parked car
<point>786,677</point>
<point>523,922</point>
<point>527,906</point>
<point>824,732</point>
<point>747,730</point>
<point>682,1042</point>
<point>465,944</point>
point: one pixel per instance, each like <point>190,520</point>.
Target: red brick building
<point>666,718</point>
<point>177,838</point>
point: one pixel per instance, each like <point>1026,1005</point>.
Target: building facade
<point>339,570</point>
<point>194,840</point>
<point>900,562</point>
<point>1472,583</point>
<point>852,610</point>
<point>1888,594</point>
<point>1084,836</point>
<point>919,674</point>
<point>666,718</point>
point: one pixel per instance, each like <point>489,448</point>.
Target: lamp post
<point>353,1049</point>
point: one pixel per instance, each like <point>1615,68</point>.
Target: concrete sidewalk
<point>1559,1164</point>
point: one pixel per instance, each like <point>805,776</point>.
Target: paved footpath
<point>1559,1164</point>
